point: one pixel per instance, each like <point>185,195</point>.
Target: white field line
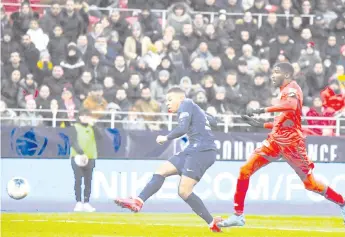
<point>322,230</point>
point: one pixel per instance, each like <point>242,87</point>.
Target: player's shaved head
<point>174,98</point>
<point>176,90</point>
<point>285,68</point>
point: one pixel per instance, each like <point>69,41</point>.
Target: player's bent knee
<point>184,192</point>
<point>166,169</point>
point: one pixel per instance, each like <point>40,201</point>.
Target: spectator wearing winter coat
<point>56,82</point>
<point>160,87</point>
<point>203,53</point>
<point>98,70</point>
<point>109,89</point>
<point>51,18</point>
<point>136,45</point>
<point>214,42</point>
<point>30,53</point>
<point>252,61</point>
<point>10,89</point>
<point>286,8</point>
<point>301,79</point>
<point>43,100</point>
<point>8,46</point>
<point>70,103</point>
<point>146,73</point>
<point>118,23</point>
<point>316,80</point>
<point>188,39</point>
<point>71,22</point>
<point>29,117</point>
<point>229,59</point>
<point>28,87</point>
<point>21,20</point>
<point>73,65</point>
<point>281,43</point>
<point>260,89</point>
<point>317,110</point>
<point>309,57</point>
<point>150,24</point>
<point>187,86</point>
<point>38,37</point>
<point>122,100</point>
<point>166,64</point>
<point>216,70</point>
<point>57,45</point>
<point>331,49</point>
<point>200,98</point>
<point>209,86</point>
<point>133,87</point>
<point>270,27</point>
<point>114,46</point>
<point>120,72</point>
<point>179,57</point>
<point>85,48</point>
<point>219,101</point>
<point>83,85</point>
<point>15,63</point>
<point>178,15</point>
<point>8,114</point>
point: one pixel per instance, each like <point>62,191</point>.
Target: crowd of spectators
<point>74,55</point>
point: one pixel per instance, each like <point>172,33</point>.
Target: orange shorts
<point>295,155</point>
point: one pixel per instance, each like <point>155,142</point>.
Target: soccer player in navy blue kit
<point>191,164</point>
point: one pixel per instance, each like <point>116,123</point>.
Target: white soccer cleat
<point>88,207</point>
<point>233,220</point>
<point>343,212</point>
<point>78,207</point>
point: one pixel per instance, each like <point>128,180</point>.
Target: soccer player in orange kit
<point>285,140</point>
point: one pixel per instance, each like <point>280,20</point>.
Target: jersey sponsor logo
<point>184,115</point>
<point>292,92</point>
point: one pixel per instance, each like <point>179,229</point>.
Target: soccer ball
<point>81,160</point>
<point>18,188</point>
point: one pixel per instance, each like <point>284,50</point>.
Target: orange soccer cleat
<point>133,204</point>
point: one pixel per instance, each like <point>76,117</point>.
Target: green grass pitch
<point>161,225</point>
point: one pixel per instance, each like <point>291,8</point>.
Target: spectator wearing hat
<point>178,15</point>
<point>28,86</point>
<point>187,86</point>
<point>160,87</point>
<point>10,89</point>
<point>73,65</point>
<point>166,64</point>
<point>309,57</point>
<point>282,42</point>
<point>95,102</point>
<point>122,100</point>
<point>29,117</point>
<point>136,45</point>
<point>83,85</point>
<point>57,45</point>
<point>319,29</point>
<point>342,56</point>
<point>69,102</point>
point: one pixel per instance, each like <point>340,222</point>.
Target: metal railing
<point>164,13</point>
<point>226,120</point>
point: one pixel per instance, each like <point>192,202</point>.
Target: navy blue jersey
<point>194,122</point>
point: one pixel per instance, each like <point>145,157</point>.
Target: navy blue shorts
<point>193,164</point>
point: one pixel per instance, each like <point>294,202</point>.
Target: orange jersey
<point>287,128</point>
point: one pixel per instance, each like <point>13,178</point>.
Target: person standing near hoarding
<point>83,155</point>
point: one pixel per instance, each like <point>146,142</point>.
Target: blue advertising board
<point>43,143</point>
<point>273,189</point>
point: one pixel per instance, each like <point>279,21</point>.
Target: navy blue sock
<point>199,208</point>
<point>152,187</point>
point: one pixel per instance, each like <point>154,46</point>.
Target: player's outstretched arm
<point>182,127</point>
<point>256,123</point>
